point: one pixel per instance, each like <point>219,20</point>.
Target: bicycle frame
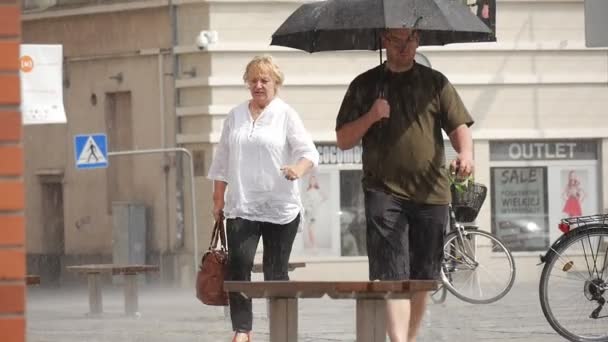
<point>460,229</point>
<point>457,226</point>
<point>552,251</point>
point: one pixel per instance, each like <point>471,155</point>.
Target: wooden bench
<point>129,272</point>
<point>31,279</point>
<point>370,308</point>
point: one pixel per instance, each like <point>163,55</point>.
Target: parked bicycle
<point>573,282</point>
<point>477,267</point>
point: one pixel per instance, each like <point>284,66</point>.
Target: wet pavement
<point>59,315</point>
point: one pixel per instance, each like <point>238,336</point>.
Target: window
<point>519,207</point>
<point>352,214</point>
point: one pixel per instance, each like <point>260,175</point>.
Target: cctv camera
<point>202,41</point>
<point>205,38</point>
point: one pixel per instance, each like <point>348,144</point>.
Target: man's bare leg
<point>417,308</point>
<point>397,316</point>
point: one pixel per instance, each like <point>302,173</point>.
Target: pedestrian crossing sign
<point>91,151</point>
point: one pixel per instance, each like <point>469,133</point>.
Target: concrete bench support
<point>371,320</point>
<point>131,298</point>
<point>95,295</point>
<point>283,319</point>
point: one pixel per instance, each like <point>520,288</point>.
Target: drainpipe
<point>166,163</point>
<point>180,215</point>
<point>175,242</point>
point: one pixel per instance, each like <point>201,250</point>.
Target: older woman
<point>263,150</point>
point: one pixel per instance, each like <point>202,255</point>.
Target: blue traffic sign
<point>91,151</point>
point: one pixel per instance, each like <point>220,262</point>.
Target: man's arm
<point>462,141</point>
<point>351,133</point>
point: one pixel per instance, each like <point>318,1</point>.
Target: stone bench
<point>370,297</point>
<point>129,272</point>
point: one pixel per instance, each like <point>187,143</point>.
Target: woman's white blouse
<point>249,158</point>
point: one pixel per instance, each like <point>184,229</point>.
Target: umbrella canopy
<point>356,24</point>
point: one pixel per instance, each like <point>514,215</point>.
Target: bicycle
<point>469,251</point>
<point>573,281</point>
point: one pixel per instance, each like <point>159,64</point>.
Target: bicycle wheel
<point>477,267</point>
<point>573,284</point>
<point>439,296</point>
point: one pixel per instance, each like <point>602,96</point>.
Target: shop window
<point>352,214</point>
<point>520,207</point>
<point>536,183</point>
<point>320,234</point>
<point>334,211</point>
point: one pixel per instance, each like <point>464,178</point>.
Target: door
<point>119,122</point>
<point>53,231</point>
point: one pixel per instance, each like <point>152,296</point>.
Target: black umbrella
<point>356,24</point>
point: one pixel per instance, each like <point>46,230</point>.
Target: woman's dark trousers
<point>243,237</point>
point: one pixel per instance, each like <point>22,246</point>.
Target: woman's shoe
<point>242,337</point>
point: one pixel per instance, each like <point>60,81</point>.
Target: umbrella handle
<point>382,88</point>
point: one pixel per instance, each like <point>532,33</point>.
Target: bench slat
<point>334,289</point>
<point>114,269</point>
<point>32,279</point>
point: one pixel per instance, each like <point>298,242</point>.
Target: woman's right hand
<point>218,209</point>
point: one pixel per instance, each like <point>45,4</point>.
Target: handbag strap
<point>218,233</point>
<point>214,236</point>
<point>222,234</point>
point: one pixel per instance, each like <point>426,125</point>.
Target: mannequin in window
<point>312,199</point>
<point>573,195</point>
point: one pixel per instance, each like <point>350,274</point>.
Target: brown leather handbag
<point>213,268</point>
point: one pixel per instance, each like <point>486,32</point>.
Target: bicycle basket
<point>467,201</point>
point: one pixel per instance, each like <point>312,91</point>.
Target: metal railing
<point>192,187</point>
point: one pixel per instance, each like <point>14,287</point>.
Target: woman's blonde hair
<point>264,65</point>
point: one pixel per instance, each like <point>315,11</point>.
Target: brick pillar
<point>12,228</point>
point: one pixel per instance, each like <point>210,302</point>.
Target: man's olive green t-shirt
<point>404,154</point>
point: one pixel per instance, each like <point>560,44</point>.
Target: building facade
<point>538,96</point>
<point>117,80</point>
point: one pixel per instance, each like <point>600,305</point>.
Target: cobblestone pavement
<point>58,315</point>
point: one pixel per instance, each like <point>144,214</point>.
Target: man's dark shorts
<point>404,239</point>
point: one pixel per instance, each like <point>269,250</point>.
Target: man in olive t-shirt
<point>399,110</point>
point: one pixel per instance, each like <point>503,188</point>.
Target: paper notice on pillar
<point>42,84</point>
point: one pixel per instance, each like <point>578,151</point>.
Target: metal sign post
<point>192,187</point>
